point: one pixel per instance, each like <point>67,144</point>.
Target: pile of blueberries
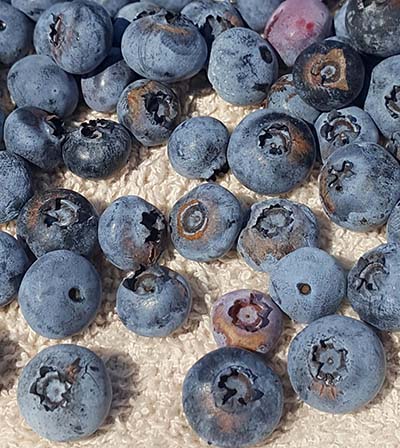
<point>336,106</point>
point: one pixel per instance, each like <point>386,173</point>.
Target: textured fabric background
<point>147,374</point>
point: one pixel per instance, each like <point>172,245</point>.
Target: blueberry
<point>244,75</point>
<point>197,148</point>
<point>38,82</point>
<point>58,219</point>
<point>373,285</point>
<point>34,8</point>
<point>102,88</point>
<point>329,75</point>
<point>383,99</point>
<point>212,17</point>
<point>97,149</point>
<point>256,12</point>
<point>373,26</point>
<point>113,6</point>
<point>35,135</point>
<point>16,185</point>
<point>336,364</point>
<point>16,32</point>
<point>393,225</point>
<point>77,35</point>
<point>232,399</point>
<point>172,5</point>
<point>154,302</point>
<point>340,23</point>
<point>64,393</point>
<point>248,319</point>
<point>2,120</point>
<point>132,233</point>
<point>393,144</point>
<point>164,47</point>
<point>271,152</point>
<point>205,223</point>
<point>338,128</point>
<point>275,228</point>
<point>13,265</point>
<point>60,294</point>
<point>150,110</point>
<point>359,186</point>
<point>283,97</point>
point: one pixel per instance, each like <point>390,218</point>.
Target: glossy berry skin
<point>13,265</point>
<point>271,152</point>
<point>244,78</point>
<point>132,233</point>
<point>164,47</point>
<point>205,223</point>
<point>154,302</point>
<point>373,284</point>
<point>336,364</point>
<point>339,128</point>
<point>58,219</point>
<point>28,82</point>
<point>247,319</point>
<point>359,186</point>
<point>275,228</point>
<point>77,35</point>
<point>383,99</point>
<point>308,284</point>
<point>295,25</point>
<point>16,185</point>
<point>35,135</point>
<point>172,5</point>
<point>64,393</point>
<point>197,148</point>
<point>283,97</point>
<point>60,294</point>
<point>102,88</point>
<point>97,149</point>
<point>34,8</point>
<point>149,110</point>
<point>232,399</point>
<point>329,75</point>
<point>373,26</point>
<point>256,12</point>
<point>16,32</point>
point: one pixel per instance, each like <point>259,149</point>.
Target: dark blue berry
<point>256,13</point>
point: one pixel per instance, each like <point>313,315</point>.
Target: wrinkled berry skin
<point>256,12</point>
<point>339,128</point>
<point>35,135</point>
<point>329,75</point>
<point>164,47</point>
<point>16,185</point>
<point>172,5</point>
<point>383,99</point>
<point>232,399</point>
<point>393,225</point>
<point>64,393</point>
<point>212,18</point>
<point>247,319</point>
<point>102,88</point>
<point>205,223</point>
<point>336,364</point>
<point>13,265</point>
<point>283,97</point>
<point>245,77</point>
<point>58,219</point>
<point>271,152</point>
<point>16,32</point>
<point>2,120</point>
<point>373,285</point>
<point>295,25</point>
<point>154,302</point>
<point>132,233</point>
<point>113,6</point>
<point>308,284</point>
<point>359,186</point>
<point>29,82</point>
<point>275,228</point>
<point>197,148</point>
<point>60,294</point>
<point>373,26</point>
<point>34,8</point>
<point>97,149</point>
<point>150,110</point>
<point>77,35</point>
